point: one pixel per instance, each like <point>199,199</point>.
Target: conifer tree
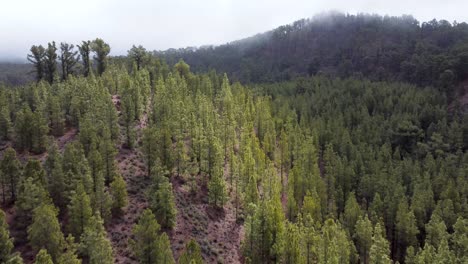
<point>50,61</point>
<point>363,238</point>
<point>162,202</point>
<point>145,245</point>
<point>118,189</point>
<point>459,239</point>
<point>101,200</point>
<point>44,232</point>
<point>10,168</point>
<point>150,141</point>
<point>31,195</point>
<point>68,59</point>
<point>57,183</point>
<point>94,243</point>
<point>165,251</point>
<point>5,122</point>
<point>43,257</point>
<point>406,229</point>
<point>217,188</point>
<point>56,116</point>
<point>70,255</point>
<point>139,55</point>
<point>101,49</point>
<point>292,252</point>
<point>352,212</point>
<point>380,250</point>
<point>37,59</point>
<point>128,116</point>
<point>85,50</point>
<point>6,243</point>
<point>191,254</point>
<point>79,211</point>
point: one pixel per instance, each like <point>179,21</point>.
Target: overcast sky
<point>163,24</point>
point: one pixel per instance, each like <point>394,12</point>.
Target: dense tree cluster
<point>318,170</point>
<point>45,60</point>
<point>379,48</point>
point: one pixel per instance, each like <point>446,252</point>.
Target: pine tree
<point>45,231</point>
<point>108,152</point>
<point>334,247</point>
<point>94,243</point>
<point>68,59</point>
<point>101,200</point>
<point>70,255</point>
<point>351,214</point>
<point>85,50</point>
<point>118,190</point>
<point>165,251</point>
<point>5,122</point>
<point>10,173</point>
<point>56,116</point>
<point>292,250</point>
<point>406,229</point>
<point>139,55</point>
<point>191,254</point>
<point>217,188</point>
<point>37,59</point>
<point>79,211</point>
<point>6,243</point>
<point>43,257</point>
<point>150,141</point>
<point>128,118</point>
<point>31,195</point>
<point>145,245</point>
<point>101,49</point>
<point>50,61</point>
<point>459,239</point>
<point>363,238</point>
<point>380,250</point>
<point>436,231</point>
<point>163,205</point>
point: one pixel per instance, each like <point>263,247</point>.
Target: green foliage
<point>10,174</point>
<point>191,254</point>
<point>148,246</point>
<point>217,189</point>
<point>37,59</point>
<point>101,49</point>
<point>6,243</point>
<point>79,211</point>
<point>70,255</point>
<point>119,194</point>
<point>380,249</point>
<point>43,257</point>
<point>44,232</point>
<point>95,244</point>
<point>68,59</point>
<point>163,205</point>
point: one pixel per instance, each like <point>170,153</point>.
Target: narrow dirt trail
<point>132,169</point>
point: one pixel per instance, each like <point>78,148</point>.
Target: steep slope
<point>376,47</point>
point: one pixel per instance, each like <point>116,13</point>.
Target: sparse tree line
<point>72,61</point>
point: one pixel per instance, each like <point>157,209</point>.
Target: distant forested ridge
<point>373,46</point>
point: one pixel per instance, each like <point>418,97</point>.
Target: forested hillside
<point>134,160</point>
<point>373,46</point>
